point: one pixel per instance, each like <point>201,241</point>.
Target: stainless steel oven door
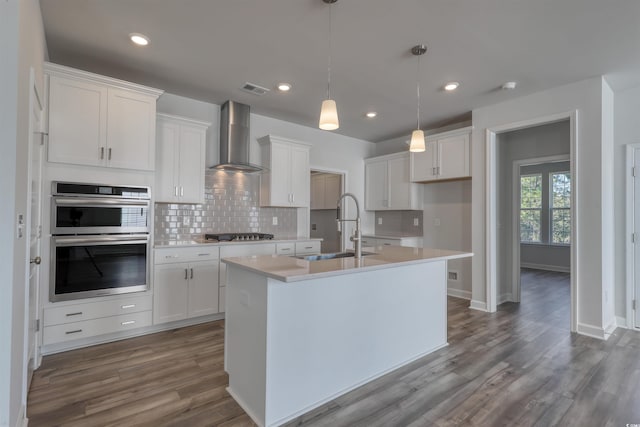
<point>91,266</point>
<point>77,215</point>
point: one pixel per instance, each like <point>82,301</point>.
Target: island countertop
<point>292,269</point>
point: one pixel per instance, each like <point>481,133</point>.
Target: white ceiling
<point>207,49</point>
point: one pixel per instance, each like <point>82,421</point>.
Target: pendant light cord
<point>329,62</point>
<point>418,93</point>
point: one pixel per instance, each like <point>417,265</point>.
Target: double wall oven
<point>100,240</point>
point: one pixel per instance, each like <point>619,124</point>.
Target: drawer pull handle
<point>186,274</point>
<point>73,332</point>
<point>128,322</point>
<point>204,254</point>
<point>127,306</point>
<point>285,249</point>
<point>79,313</point>
<point>191,273</point>
<point>387,244</point>
<point>171,256</point>
<point>308,247</point>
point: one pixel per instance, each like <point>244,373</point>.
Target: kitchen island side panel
<point>245,340</point>
<point>327,336</point>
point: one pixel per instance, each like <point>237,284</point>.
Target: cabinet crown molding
<point>188,120</point>
<point>271,138</point>
<point>388,156</point>
<point>64,71</point>
<point>455,132</point>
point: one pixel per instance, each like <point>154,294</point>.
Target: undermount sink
<point>331,256</point>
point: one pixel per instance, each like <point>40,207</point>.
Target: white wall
<point>449,203</point>
<point>607,205</point>
<point>627,131</point>
<point>540,141</point>
<point>593,263</point>
<point>329,151</point>
<point>23,47</point>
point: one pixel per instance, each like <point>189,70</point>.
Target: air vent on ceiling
<point>254,89</point>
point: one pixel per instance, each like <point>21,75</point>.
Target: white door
<point>453,157</point>
<point>191,168</point>
<point>399,188</point>
<point>636,222</point>
<point>34,224</point>
<point>203,288</point>
<point>300,176</point>
<point>376,186</point>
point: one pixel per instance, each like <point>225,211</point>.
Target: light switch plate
<point>436,222</point>
<point>380,221</point>
<point>416,222</point>
<point>275,220</point>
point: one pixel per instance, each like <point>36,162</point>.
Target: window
<point>560,208</point>
<point>531,208</point>
<point>545,204</point>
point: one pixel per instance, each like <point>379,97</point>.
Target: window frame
<point>552,209</point>
<point>540,210</point>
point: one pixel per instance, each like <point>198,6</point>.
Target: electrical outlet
<point>453,275</point>
<point>416,222</point>
<point>275,220</point>
<point>436,222</point>
<point>380,221</point>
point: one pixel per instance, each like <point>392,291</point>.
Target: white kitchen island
<point>299,333</point>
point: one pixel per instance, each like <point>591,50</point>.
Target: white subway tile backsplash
<point>232,204</point>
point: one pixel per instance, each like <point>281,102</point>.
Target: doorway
<point>514,151</point>
<point>326,188</point>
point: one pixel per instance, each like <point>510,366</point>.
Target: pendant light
<point>329,112</point>
<point>417,137</point>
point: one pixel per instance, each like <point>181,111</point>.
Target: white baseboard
<point>478,305</point>
<point>102,339</point>
<point>621,322</point>
<point>459,293</point>
<point>504,298</point>
<point>610,328</point>
<point>596,331</point>
<point>22,420</point>
<point>546,267</point>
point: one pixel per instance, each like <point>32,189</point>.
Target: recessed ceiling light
<point>139,39</point>
<point>509,85</point>
<point>451,86</point>
<point>284,87</point>
<point>371,114</point>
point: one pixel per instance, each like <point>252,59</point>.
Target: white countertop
<point>292,269</point>
<point>201,241</point>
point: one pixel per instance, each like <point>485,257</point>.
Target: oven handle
<point>61,241</point>
<point>99,202</point>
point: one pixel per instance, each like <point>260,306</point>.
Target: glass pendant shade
<point>329,115</point>
<point>417,141</point>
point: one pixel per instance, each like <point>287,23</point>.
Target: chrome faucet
<point>356,238</point>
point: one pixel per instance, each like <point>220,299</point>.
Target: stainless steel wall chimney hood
<point>234,138</point>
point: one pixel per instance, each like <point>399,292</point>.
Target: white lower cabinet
<point>74,321</point>
<point>185,283</point>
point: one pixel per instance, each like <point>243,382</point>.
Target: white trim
<point>63,71</point>
<point>459,293</point>
<point>610,329</point>
<point>22,420</point>
<point>187,120</point>
<point>455,132</point>
<point>545,267</point>
<point>491,191</point>
<point>591,331</point>
<point>629,229</point>
<point>478,305</point>
<point>502,298</point>
<point>516,289</point>
<point>621,322</point>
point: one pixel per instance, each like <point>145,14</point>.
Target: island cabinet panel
<point>180,159</point>
<point>99,121</point>
<point>387,184</point>
<point>286,178</point>
<point>185,283</point>
<point>447,157</point>
<point>280,345</point>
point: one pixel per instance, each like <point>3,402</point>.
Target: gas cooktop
<point>237,237</point>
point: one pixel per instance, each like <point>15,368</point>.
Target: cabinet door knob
<point>101,153</point>
<point>175,191</point>
<point>186,274</point>
<point>109,153</point>
<point>37,260</point>
<point>192,273</point>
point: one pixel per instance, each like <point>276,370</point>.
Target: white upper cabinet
<point>180,159</point>
<point>447,157</point>
<point>325,191</point>
<point>99,121</point>
<point>286,178</point>
<point>387,184</point>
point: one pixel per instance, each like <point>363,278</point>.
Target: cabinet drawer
<point>306,248</point>
<point>93,310</point>
<point>285,248</point>
<point>93,327</point>
<point>369,242</point>
<point>197,253</point>
<point>388,242</point>
<point>240,249</point>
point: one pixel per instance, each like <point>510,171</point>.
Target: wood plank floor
<point>517,367</point>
